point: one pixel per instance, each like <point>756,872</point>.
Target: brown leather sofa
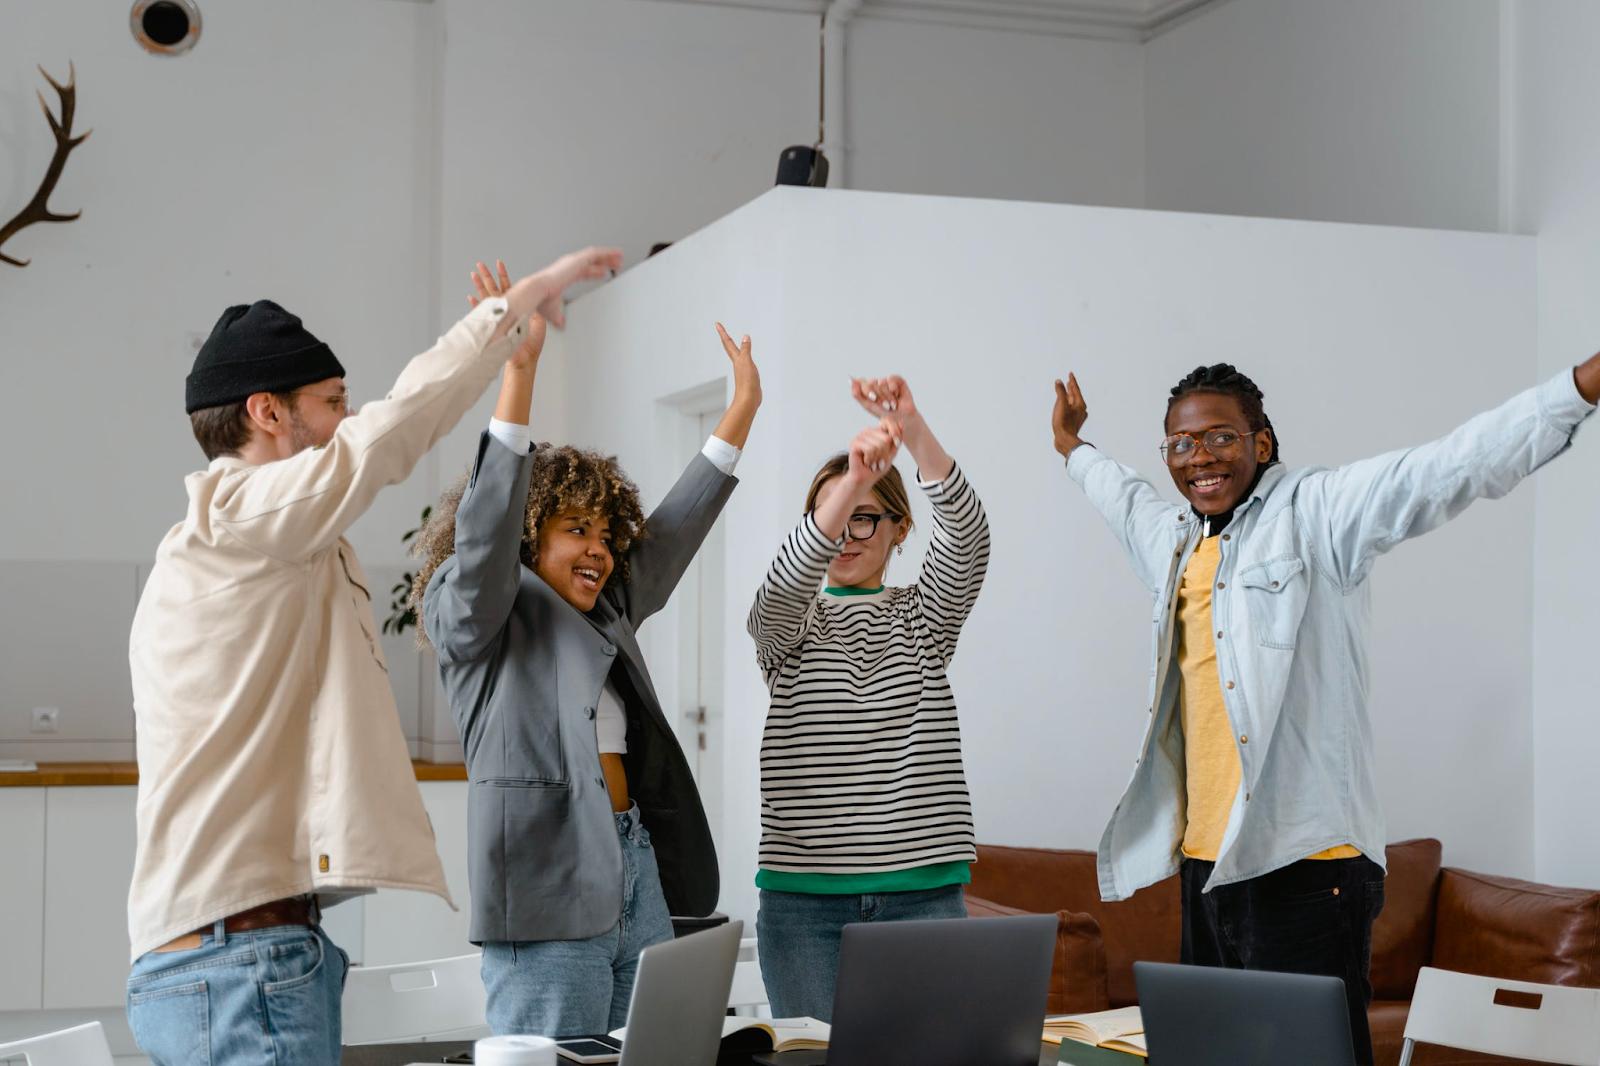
<point>1432,916</point>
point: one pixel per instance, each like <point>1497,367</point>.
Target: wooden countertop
<point>127,773</point>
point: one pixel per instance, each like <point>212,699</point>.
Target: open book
<point>1121,1029</point>
<point>752,1035</point>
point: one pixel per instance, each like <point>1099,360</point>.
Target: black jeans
<point>1314,916</point>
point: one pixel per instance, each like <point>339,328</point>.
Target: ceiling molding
<point>1101,20</point>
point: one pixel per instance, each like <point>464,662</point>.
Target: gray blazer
<point>524,670</point>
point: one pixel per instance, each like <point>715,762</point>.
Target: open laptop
<point>680,996</point>
<point>953,992</point>
<point>1204,1016</point>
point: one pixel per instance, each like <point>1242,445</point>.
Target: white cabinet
<point>67,854</point>
<point>88,866</point>
<point>21,898</point>
<point>413,926</point>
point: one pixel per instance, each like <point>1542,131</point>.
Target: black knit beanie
<point>254,348</point>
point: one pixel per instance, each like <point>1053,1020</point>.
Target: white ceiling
<point>1114,20</point>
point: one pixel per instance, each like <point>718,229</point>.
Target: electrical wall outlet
<point>46,719</point>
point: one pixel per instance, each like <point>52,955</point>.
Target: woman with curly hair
<point>538,570</point>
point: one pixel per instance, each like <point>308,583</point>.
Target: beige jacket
<point>271,760</point>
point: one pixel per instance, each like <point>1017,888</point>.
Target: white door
<point>700,644</point>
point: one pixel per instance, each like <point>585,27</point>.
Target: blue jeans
<point>267,997</point>
<point>562,988</point>
<point>797,937</point>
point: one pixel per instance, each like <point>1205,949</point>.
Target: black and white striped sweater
<point>861,756</point>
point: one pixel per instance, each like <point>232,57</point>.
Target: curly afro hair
<point>564,479</point>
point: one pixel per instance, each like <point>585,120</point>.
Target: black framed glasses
<point>1225,444</point>
<point>864,526</point>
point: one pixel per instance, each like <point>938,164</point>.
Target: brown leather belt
<point>266,916</point>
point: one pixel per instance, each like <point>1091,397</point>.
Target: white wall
<point>1353,111</point>
<point>351,162</point>
<point>1052,670</point>
<point>280,159</point>
<point>967,112</point>
<point>1558,97</point>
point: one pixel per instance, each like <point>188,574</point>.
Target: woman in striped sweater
<point>864,807</point>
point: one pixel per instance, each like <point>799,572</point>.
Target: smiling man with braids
<point>1257,782</point>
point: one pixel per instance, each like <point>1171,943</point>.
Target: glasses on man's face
<point>338,402</point>
<point>1225,444</point>
<point>864,526</point>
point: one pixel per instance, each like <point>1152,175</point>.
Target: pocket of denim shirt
<point>1276,592</point>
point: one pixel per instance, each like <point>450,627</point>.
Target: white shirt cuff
<point>513,436</point>
<point>723,455</point>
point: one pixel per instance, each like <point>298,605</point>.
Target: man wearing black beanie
<point>274,778</point>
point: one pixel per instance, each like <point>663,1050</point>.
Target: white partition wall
<point>1364,339</point>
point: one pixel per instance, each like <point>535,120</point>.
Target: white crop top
<point>611,721</point>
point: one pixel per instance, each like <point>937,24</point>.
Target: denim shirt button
<point>588,712</point>
<point>609,649</point>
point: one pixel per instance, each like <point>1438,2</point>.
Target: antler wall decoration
<point>37,209</point>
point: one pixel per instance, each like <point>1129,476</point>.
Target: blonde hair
<point>889,490</point>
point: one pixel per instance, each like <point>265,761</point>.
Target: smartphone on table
<point>590,1049</point>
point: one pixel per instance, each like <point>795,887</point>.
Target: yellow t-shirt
<point>1211,760</point>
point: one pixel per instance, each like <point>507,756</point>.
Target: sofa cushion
<point>1078,970</point>
<point>1503,927</point>
<point>1043,880</point>
<point>1402,937</point>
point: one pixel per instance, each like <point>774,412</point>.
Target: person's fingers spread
<point>505,279</point>
<point>727,342</point>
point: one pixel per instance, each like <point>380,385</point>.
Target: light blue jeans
<point>797,937</point>
<point>267,997</point>
<point>562,988</point>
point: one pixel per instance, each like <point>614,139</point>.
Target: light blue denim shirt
<point>1293,609</point>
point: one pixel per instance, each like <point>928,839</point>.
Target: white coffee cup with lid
<point>514,1051</point>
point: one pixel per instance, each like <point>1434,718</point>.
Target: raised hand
<point>890,401</point>
<point>746,378</point>
<point>527,354</point>
<point>588,263</point>
<point>872,452</point>
<point>888,397</point>
<point>485,285</point>
<point>541,293</point>
<point>1069,415</point>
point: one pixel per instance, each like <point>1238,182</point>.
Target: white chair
<point>1548,1023</point>
<point>82,1045</point>
<point>749,992</point>
<point>415,1001</point>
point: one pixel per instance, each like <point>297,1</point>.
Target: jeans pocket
<point>293,964</point>
<point>173,1025</point>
